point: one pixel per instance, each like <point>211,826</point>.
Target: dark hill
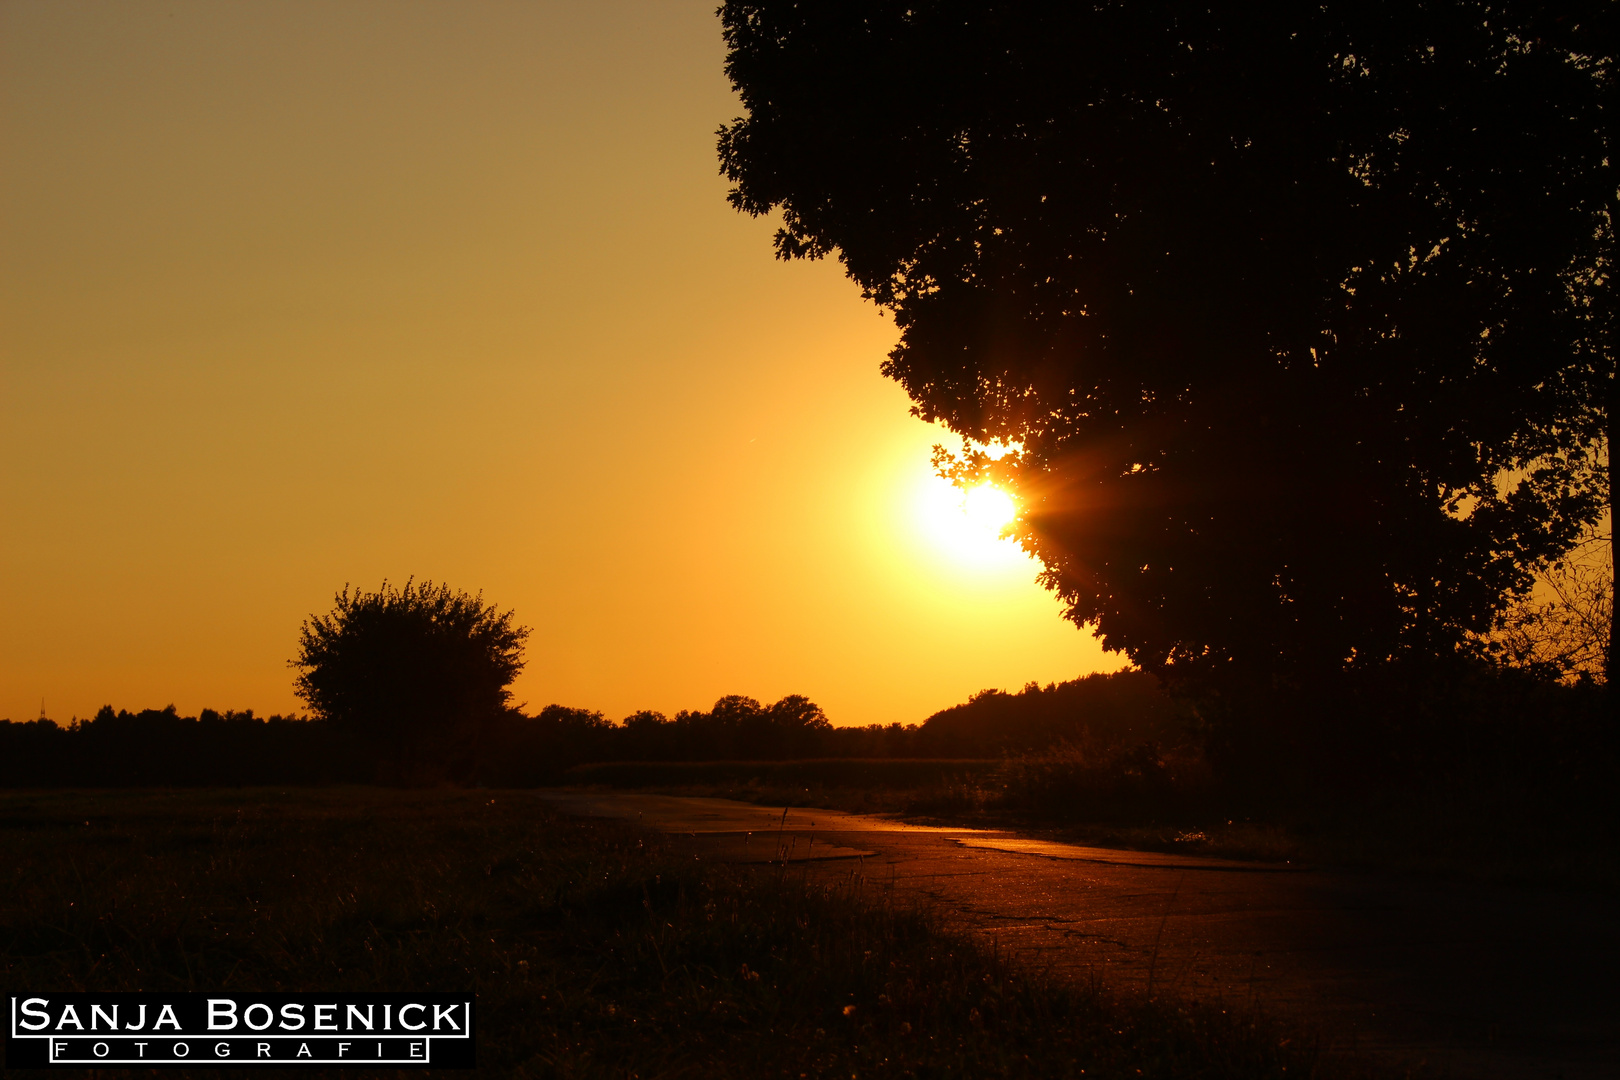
<point>1127,707</point>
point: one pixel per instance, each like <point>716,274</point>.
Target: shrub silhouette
<point>416,674</point>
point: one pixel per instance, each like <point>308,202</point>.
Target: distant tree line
<point>159,747</point>
<point>411,686</point>
<point>1520,727</point>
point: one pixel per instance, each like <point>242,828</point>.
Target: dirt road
<point>1471,981</point>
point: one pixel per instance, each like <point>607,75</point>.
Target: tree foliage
<point>414,671</point>
<point>1563,630</point>
<point>1298,321</point>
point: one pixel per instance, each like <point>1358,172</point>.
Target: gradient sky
<point>297,294</point>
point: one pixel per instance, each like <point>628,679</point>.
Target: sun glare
<point>968,525</point>
<point>989,508</point>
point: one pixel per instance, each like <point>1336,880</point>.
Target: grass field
<point>888,774</point>
<point>593,950</point>
<point>856,785</point>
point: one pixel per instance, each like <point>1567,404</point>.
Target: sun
<point>989,508</point>
<point>967,526</point>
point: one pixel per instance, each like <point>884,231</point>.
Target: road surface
<point>1465,979</point>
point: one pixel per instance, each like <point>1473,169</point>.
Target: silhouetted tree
<point>417,673</point>
<point>1298,321</point>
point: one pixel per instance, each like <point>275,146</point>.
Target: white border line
<point>425,1059</point>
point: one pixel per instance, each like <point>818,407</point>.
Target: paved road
<point>1472,981</point>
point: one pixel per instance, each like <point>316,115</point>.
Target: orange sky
<point>299,294</point>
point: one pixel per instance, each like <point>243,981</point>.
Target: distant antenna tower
<point>42,708</point>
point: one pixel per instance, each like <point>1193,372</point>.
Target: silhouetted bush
<point>416,673</point>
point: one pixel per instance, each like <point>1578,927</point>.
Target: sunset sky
<point>300,294</point>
